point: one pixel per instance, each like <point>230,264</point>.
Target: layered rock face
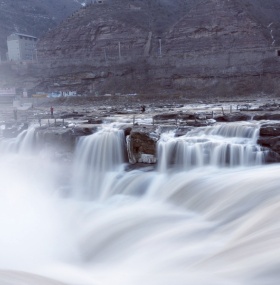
<point>200,47</point>
<point>219,39</point>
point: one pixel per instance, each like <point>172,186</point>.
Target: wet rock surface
<point>141,144</point>
<point>270,138</point>
<point>234,117</point>
<point>72,120</point>
<point>62,139</point>
<point>271,129</point>
<point>267,116</point>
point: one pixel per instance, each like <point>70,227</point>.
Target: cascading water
<point>23,143</point>
<point>97,159</point>
<point>221,145</point>
<point>208,225</point>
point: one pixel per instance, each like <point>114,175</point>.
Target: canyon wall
<point>205,47</point>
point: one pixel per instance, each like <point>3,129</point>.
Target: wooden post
<point>134,120</point>
<point>230,108</point>
<point>223,111</point>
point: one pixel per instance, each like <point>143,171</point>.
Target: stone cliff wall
<point>206,47</point>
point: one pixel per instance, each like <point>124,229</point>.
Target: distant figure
<point>143,108</point>
<point>52,111</point>
<point>15,114</point>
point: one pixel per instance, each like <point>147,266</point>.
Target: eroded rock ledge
<point>62,132</point>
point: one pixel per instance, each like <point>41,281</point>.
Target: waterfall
<point>98,158</point>
<point>232,144</point>
<point>214,224</point>
<point>25,142</point>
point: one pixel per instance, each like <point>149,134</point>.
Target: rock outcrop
<point>219,47</point>
<point>267,116</point>
<point>233,117</point>
<point>141,144</point>
<point>270,138</point>
<point>207,48</point>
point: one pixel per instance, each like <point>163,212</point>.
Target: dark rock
<point>84,130</point>
<point>165,117</point>
<point>270,138</point>
<point>270,130</point>
<point>272,143</point>
<point>70,115</point>
<point>62,138</point>
<point>271,157</point>
<point>234,117</point>
<point>267,116</point>
<point>142,143</point>
<point>59,138</point>
<point>126,129</point>
<point>197,123</point>
<point>187,116</point>
<point>95,121</point>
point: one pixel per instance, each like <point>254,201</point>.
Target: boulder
<point>126,129</point>
<point>269,130</point>
<point>272,143</point>
<point>270,138</point>
<point>141,144</point>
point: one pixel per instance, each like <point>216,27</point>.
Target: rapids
<point>208,215</point>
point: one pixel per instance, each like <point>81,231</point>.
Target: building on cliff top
<point>21,47</point>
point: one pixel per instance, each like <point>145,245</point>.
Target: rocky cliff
<point>199,47</point>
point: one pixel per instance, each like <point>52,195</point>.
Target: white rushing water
<point>232,144</point>
<point>202,224</point>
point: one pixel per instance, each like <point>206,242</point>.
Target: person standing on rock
<point>52,111</point>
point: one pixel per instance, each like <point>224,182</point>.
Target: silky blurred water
<point>95,223</point>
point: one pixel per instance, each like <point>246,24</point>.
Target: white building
<point>21,47</point>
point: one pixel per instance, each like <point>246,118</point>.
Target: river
<point>208,214</point>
